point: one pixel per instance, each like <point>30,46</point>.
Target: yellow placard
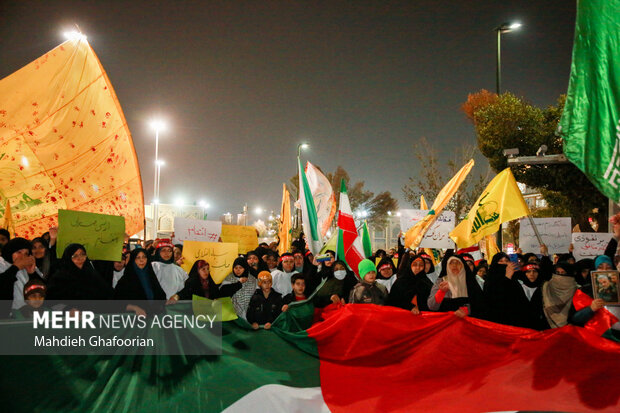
<point>394,260</point>
<point>219,255</point>
<point>244,236</point>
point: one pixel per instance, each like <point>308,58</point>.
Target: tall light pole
<point>502,28</point>
<point>158,126</point>
<point>301,146</point>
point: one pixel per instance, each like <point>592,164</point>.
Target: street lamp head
<point>203,204</point>
<point>160,162</point>
<point>156,201</point>
<point>258,210</point>
<point>179,201</point>
<point>508,27</point>
<point>158,125</point>
<point>304,146</point>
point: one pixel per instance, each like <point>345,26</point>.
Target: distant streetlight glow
<point>25,162</point>
<point>203,204</point>
<point>156,201</point>
<point>258,210</point>
<point>158,125</point>
<point>160,162</point>
<point>179,201</point>
<point>300,147</point>
<point>514,26</point>
<point>74,35</point>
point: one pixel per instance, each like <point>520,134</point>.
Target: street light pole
<point>158,125</point>
<point>301,146</point>
<point>502,28</point>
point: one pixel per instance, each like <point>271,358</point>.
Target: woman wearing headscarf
<point>386,273</point>
<point>44,256</point>
<point>458,288</point>
<point>411,289</point>
<point>515,297</point>
<point>584,307</point>
<point>201,283</point>
<point>582,271</point>
<point>76,279</point>
<point>429,268</point>
<point>558,294</point>
<point>171,277</point>
<point>139,281</point>
<point>241,299</point>
<point>17,267</point>
<point>332,285</point>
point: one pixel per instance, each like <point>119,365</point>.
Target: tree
<point>361,199</point>
<point>510,122</point>
<point>430,179</point>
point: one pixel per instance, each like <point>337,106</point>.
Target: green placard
<point>101,235</point>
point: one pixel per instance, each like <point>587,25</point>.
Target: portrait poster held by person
<point>458,288</point>
<point>17,267</point>
<point>266,303</point>
<point>589,312</point>
<point>241,274</point>
<point>368,291</point>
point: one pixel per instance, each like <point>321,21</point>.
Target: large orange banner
<point>65,144</point>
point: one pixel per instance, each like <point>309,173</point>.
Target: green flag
<point>590,123</point>
<point>366,240</point>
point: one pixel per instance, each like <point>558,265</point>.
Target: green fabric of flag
<point>590,124</point>
<point>366,240</point>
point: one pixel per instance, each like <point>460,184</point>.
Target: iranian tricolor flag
<point>308,213</point>
<point>350,247</point>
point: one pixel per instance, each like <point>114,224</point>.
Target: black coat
<point>193,286</point>
<point>129,286</point>
<point>264,310</point>
<point>475,298</point>
<point>509,305</point>
<point>402,292</point>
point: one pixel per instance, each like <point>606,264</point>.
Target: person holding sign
<point>201,284</point>
<point>171,277</point>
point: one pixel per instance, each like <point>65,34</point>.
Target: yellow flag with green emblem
<point>501,201</point>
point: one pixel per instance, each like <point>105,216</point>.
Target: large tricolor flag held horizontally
<point>433,362</point>
<point>308,213</point>
<point>350,247</point>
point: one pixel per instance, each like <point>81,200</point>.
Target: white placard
<point>590,244</point>
<point>437,235</point>
<point>555,233</point>
<point>186,229</point>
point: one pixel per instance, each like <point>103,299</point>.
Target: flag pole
<point>540,241</point>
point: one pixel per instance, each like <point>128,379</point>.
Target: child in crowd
<point>34,296</point>
<point>265,304</point>
<point>299,288</point>
<point>368,291</point>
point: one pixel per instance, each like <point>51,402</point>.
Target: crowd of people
<point>535,290</point>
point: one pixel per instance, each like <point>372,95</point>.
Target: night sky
<point>241,83</point>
